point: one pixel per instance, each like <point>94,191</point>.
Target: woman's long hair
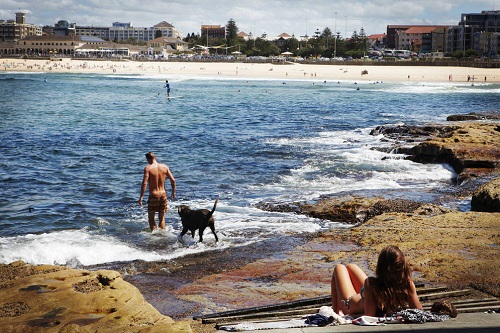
<point>393,282</point>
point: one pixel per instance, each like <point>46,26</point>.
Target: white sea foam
<point>350,152</point>
<point>242,221</point>
<point>67,246</point>
<point>75,247</point>
<point>441,88</point>
<point>235,226</point>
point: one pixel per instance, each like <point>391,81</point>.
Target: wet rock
<point>489,115</point>
<point>431,210</point>
<point>392,206</point>
<point>487,197</point>
<point>346,209</point>
<point>411,131</point>
<point>282,207</point>
<point>353,209</point>
<point>471,149</point>
<point>357,210</point>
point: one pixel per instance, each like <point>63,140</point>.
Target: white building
<point>119,32</point>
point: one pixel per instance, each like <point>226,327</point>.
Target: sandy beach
<point>277,71</point>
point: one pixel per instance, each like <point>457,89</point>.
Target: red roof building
<point>422,39</point>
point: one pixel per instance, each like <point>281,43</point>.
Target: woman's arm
<point>414,301</point>
<point>369,299</point>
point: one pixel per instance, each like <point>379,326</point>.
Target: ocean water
<point>72,153</point>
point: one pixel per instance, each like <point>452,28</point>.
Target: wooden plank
<point>481,303</point>
<point>271,307</point>
<point>477,309</point>
<point>292,309</point>
<point>465,306</point>
<point>444,294</point>
<point>423,291</point>
<point>464,301</point>
<point>320,300</point>
<point>475,300</point>
<point>474,303</point>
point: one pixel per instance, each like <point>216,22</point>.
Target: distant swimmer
<point>155,175</point>
<point>167,85</point>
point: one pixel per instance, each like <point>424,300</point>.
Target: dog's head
<point>183,210</point>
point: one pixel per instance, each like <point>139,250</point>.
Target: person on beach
<point>155,175</point>
<point>392,289</point>
<point>167,85</point>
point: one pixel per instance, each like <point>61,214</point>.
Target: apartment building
<point>476,31</point>
<point>125,31</point>
<point>14,30</point>
<point>422,39</point>
<point>213,31</point>
<point>392,33</point>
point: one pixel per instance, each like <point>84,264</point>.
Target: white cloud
<point>257,16</point>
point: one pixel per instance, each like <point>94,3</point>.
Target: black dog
<point>197,219</point>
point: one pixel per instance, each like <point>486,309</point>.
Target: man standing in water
<point>167,85</point>
<point>155,175</point>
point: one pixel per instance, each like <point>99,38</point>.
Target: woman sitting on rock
<point>392,288</point>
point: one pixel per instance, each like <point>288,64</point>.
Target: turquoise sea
<point>72,153</point>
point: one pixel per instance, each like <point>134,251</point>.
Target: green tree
<point>158,33</point>
<point>291,45</point>
<point>266,48</point>
<point>193,40</point>
<point>316,45</point>
<point>352,42</point>
<point>231,33</point>
<point>341,46</point>
<point>327,36</point>
<point>363,40</point>
<point>357,44</point>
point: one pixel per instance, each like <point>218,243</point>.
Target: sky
<point>295,17</point>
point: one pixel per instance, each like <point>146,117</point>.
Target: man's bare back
<point>155,175</point>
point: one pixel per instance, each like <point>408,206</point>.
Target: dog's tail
<point>209,215</point>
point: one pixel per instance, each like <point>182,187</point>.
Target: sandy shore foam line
<point>288,71</point>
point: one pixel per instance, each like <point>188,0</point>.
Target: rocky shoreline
<point>447,247</point>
